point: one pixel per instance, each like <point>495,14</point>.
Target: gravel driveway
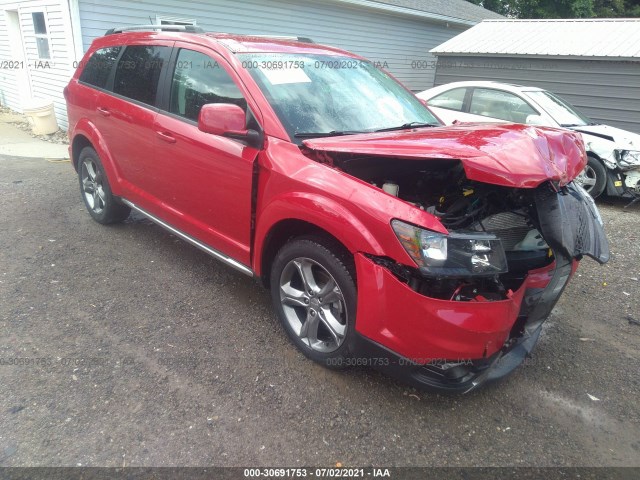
<point>123,345</point>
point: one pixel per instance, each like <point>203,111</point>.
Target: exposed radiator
<point>509,227</point>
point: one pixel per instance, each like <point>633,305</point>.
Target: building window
<point>42,36</point>
<point>166,20</point>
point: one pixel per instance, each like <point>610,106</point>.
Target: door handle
<point>104,112</point>
<point>167,137</point>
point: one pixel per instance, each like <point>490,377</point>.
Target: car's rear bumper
<point>450,345</point>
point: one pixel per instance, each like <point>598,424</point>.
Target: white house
<point>41,41</point>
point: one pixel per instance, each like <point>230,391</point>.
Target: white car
<point>614,154</point>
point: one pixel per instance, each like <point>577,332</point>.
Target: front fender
<point>87,129</point>
<point>601,149</point>
<point>322,212</point>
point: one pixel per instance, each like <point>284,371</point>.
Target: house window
<point>42,36</point>
<point>165,20</point>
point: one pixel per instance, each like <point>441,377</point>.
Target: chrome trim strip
<point>214,253</point>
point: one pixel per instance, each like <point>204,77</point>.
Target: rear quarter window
<point>98,67</point>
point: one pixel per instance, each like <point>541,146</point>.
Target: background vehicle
<point>614,154</point>
<point>386,240</point>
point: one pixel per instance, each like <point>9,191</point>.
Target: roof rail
<point>164,28</point>
<point>285,37</point>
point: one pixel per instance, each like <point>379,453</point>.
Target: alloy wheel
<point>92,186</point>
<point>587,178</point>
<point>313,304</point>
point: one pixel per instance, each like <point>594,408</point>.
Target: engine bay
<point>440,187</point>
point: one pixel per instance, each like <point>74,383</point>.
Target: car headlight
<point>453,255</point>
<point>628,158</point>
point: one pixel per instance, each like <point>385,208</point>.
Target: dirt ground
<point>123,345</point>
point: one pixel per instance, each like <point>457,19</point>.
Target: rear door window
<point>138,72</point>
<point>96,71</point>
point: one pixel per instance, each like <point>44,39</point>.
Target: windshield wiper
<point>406,126</point>
<point>338,133</point>
<point>570,125</point>
<point>333,133</point>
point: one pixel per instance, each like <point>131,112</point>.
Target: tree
<point>555,8</point>
<point>609,8</point>
<point>562,8</point>
<point>499,6</point>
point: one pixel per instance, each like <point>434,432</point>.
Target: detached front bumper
<point>456,346</point>
<point>449,345</point>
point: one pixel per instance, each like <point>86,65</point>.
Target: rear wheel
<point>593,178</point>
<point>314,294</point>
<point>96,191</point>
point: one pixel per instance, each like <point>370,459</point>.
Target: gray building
<point>594,64</point>
<point>48,37</point>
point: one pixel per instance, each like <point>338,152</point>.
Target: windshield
<point>322,95</point>
<point>561,111</point>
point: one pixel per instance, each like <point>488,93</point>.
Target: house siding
<point>608,91</point>
<point>9,92</point>
<point>398,40</point>
<point>47,77</point>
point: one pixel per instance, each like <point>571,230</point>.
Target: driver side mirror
<point>228,120</point>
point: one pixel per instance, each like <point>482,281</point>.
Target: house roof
<point>594,38</point>
<point>453,11</point>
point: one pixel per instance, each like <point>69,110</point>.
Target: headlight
<point>453,255</point>
<point>628,158</point>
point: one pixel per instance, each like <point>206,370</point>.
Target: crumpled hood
<point>512,155</point>
<point>623,139</point>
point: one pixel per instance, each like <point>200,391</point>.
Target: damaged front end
<point>471,307</point>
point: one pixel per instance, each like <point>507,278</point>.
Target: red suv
<point>434,253</point>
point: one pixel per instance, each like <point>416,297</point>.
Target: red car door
<point>203,180</point>
<point>125,116</point>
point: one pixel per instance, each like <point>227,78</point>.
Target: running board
<point>214,253</point>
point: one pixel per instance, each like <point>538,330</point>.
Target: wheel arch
<point>283,231</point>
<point>595,156</point>
<point>80,141</point>
<point>301,213</point>
<point>607,186</point>
<point>86,135</point>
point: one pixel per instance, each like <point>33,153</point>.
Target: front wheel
<point>314,294</point>
<point>593,178</point>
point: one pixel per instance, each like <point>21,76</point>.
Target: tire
<point>314,294</point>
<point>593,178</point>
<point>96,191</point>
